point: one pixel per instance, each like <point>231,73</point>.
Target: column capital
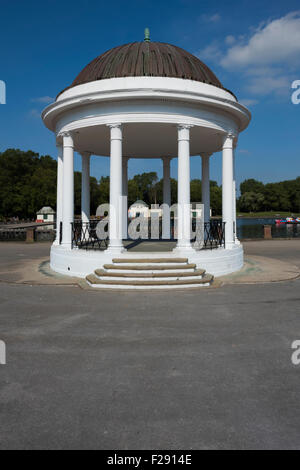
<point>183,131</point>
<point>65,134</point>
<point>67,139</point>
<point>114,125</point>
<point>205,154</point>
<point>115,131</point>
<point>184,126</point>
<point>228,140</point>
<point>85,154</point>
<point>166,160</point>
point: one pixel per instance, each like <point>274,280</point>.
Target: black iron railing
<point>214,234</point>
<point>27,231</point>
<point>84,235</point>
<point>60,232</point>
<point>12,234</point>
<point>209,235</point>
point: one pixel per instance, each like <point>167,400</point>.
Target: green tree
<point>251,202</point>
<point>276,198</point>
<point>144,187</point>
<point>25,182</point>
<point>95,195</point>
<point>216,199</point>
<point>196,190</point>
<point>28,182</point>
<point>251,186</point>
<point>103,197</point>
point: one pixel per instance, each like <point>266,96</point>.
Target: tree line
<point>28,182</point>
<point>257,196</point>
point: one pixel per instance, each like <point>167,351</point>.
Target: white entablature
<point>146,100</point>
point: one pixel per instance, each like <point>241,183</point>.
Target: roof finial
<point>147,35</point>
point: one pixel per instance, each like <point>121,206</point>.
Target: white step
<point>160,262</point>
<point>150,260</point>
<point>149,273</point>
<point>160,276</point>
<point>205,281</point>
<point>149,268</point>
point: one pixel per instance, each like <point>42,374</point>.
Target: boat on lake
<point>288,220</point>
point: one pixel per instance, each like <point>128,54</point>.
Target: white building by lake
<point>46,214</point>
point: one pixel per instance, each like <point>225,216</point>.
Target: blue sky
<point>252,46</point>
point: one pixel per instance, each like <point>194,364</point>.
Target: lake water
<point>254,228</point>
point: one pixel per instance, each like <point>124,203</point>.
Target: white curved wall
<point>80,263</point>
<point>125,84</point>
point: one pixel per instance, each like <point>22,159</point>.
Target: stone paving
<point>205,369</point>
<point>29,264</point>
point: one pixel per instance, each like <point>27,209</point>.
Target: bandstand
<point>146,100</point>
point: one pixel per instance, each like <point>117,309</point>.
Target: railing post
<point>30,235</point>
<point>72,235</point>
<point>60,231</point>
<point>267,232</point>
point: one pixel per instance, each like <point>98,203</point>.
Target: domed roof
<point>139,203</point>
<point>148,59</point>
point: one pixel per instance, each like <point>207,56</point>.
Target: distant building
<point>197,210</point>
<point>46,214</point>
<point>137,209</point>
<point>140,208</point>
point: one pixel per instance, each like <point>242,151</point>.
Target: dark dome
<point>147,59</point>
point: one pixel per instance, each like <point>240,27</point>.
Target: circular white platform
<point>80,263</point>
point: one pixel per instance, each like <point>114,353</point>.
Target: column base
<point>115,249</point>
<point>230,245</point>
<point>181,249</point>
<point>67,246</point>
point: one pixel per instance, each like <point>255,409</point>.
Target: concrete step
<point>149,260</point>
<point>204,281</point>
<point>134,276</point>
<point>150,267</point>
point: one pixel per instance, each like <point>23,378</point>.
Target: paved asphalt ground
<point>189,370</point>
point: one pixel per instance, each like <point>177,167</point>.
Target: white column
<point>166,199</point>
<point>184,211</point>
<point>125,197</point>
<point>205,186</point>
<point>234,199</point>
<point>68,190</point>
<point>115,212</point>
<point>85,187</point>
<point>227,190</point>
<point>59,193</point>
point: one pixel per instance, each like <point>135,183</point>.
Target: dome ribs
<point>122,65</point>
<point>159,61</point>
<point>144,59</point>
<point>131,60</point>
<point>111,67</point>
